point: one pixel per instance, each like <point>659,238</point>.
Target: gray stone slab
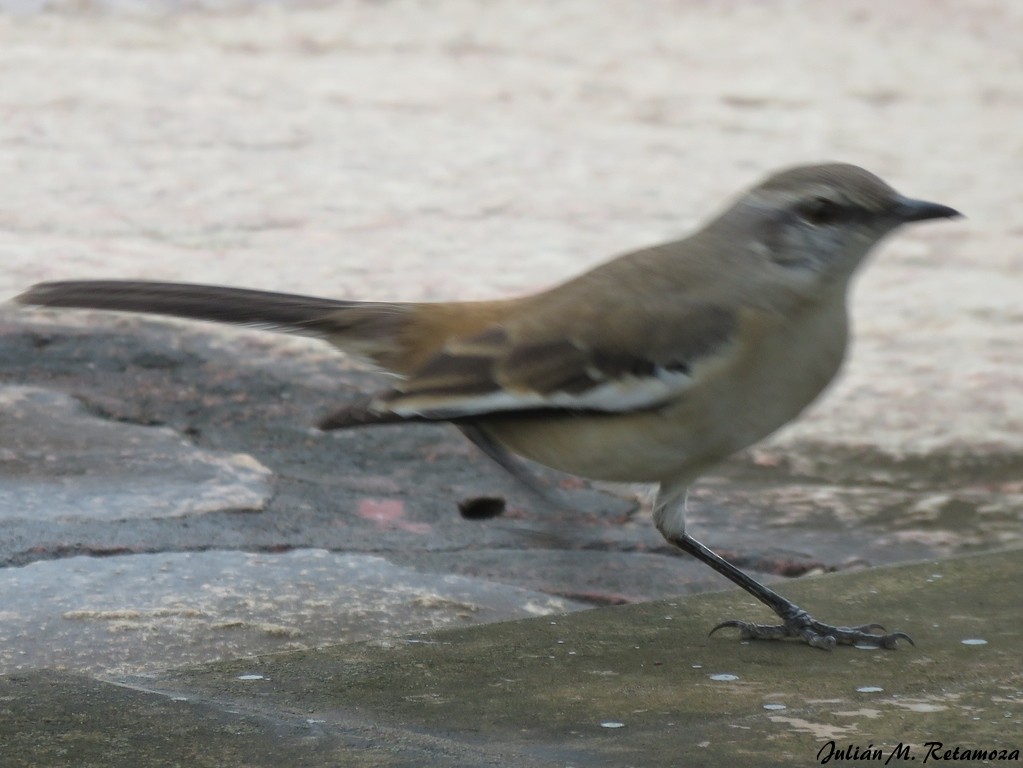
<point>58,462</point>
<point>148,612</point>
<point>396,490</point>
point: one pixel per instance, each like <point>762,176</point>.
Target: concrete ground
<point>638,685</point>
<point>165,505</point>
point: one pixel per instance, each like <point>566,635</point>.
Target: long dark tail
<point>300,314</point>
<point>367,329</point>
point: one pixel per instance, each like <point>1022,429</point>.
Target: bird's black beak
<point>908,209</point>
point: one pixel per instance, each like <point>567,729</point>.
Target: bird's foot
<point>816,634</point>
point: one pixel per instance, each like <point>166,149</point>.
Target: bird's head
<point>823,218</point>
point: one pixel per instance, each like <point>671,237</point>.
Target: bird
<point>652,367</point>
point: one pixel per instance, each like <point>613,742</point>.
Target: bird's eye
<point>820,211</point>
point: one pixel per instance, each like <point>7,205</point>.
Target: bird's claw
<point>817,634</point>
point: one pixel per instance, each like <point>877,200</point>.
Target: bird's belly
<point>632,448</point>
<point>746,397</point>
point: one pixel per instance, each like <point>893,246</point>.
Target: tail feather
<point>367,329</point>
<point>200,302</point>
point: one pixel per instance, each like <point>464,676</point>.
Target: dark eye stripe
<point>821,211</point>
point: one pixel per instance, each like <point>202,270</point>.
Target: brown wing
<point>529,365</point>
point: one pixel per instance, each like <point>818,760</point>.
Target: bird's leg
<point>795,621</point>
<point>500,456</point>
